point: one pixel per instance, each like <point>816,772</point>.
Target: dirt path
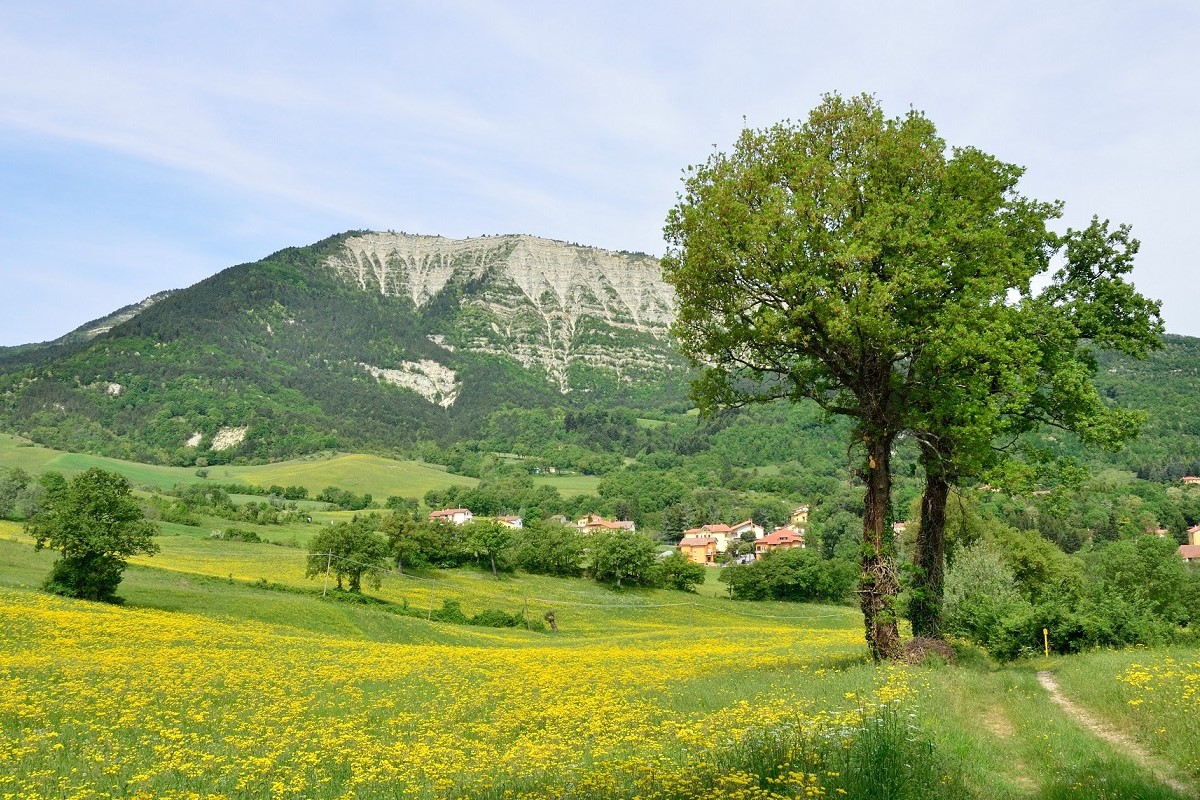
<point>1120,741</point>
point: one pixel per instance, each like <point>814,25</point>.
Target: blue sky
<point>147,145</point>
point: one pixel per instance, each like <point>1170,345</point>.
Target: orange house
<point>700,549</point>
<point>722,533</point>
<point>781,539</point>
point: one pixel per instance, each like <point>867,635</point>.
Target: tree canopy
<point>1028,363</point>
<point>95,522</point>
<point>826,260</point>
<point>347,551</point>
<point>622,557</point>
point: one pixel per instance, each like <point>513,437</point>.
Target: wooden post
<point>1046,640</point>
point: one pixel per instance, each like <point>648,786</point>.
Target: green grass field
<point>226,674</point>
<point>569,485</point>
<point>380,477</point>
<point>356,472</point>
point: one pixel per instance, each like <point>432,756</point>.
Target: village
<point>712,544</point>
<point>719,544</point>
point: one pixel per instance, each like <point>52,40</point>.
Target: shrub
<point>241,535</point>
<point>451,611</point>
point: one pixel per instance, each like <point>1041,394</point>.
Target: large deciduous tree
<point>95,522</point>
<point>1027,364</point>
<point>819,261</point>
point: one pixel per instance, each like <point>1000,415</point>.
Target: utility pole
<point>328,564</point>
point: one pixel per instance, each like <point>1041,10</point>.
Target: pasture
<point>227,675</point>
<point>356,472</point>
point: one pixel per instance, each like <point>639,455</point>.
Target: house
<point>1191,479</point>
<point>781,539</point>
<point>722,533</point>
<point>699,549</point>
<point>458,516</point>
<point>511,522</point>
<point>594,523</point>
<point>740,529</point>
<point>899,528</point>
<point>798,518</point>
<point>1189,553</point>
<point>1193,534</point>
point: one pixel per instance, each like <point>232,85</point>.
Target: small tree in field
<point>677,571</point>
<point>348,551</point>
<point>621,556</point>
<point>487,537</point>
<point>95,522</point>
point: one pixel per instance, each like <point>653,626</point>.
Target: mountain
<point>86,331</point>
<point>362,340</point>
<point>391,342</point>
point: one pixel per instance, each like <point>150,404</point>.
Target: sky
<point>147,145</point>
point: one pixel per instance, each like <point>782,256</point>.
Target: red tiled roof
<point>697,541</point>
<point>707,529</point>
<point>1189,551</point>
<point>449,512</point>
<point>781,536</point>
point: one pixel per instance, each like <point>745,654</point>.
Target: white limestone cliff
<point>544,299</point>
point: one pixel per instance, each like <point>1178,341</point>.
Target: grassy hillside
<point>227,674</point>
<point>358,473</point>
<point>355,472</point>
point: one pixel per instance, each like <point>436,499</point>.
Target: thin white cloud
<point>571,120</point>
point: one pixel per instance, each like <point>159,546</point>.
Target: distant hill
<point>363,340</point>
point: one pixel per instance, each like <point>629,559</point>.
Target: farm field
<point>226,674</point>
<point>355,472</point>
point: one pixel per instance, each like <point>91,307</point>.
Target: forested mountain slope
<point>363,340</point>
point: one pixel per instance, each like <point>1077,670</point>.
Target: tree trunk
<point>492,556</point>
<point>925,609</point>
<point>880,585</point>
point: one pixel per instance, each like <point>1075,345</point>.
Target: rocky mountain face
<point>563,309</point>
